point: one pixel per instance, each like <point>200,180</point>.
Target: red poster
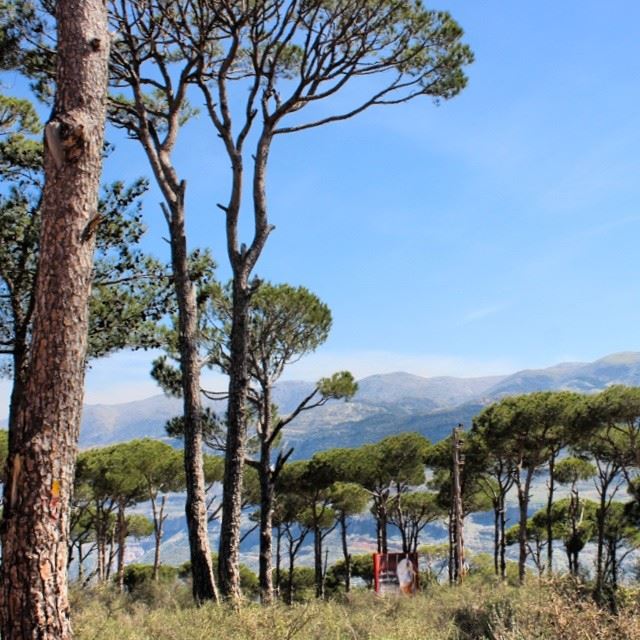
<point>395,573</point>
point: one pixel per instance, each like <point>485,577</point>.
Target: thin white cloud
<point>483,312</point>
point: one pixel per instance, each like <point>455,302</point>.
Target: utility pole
<point>456,520</point>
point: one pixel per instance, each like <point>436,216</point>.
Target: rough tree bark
<point>242,261</point>
<point>203,583</point>
<point>229,554</point>
<point>45,426</point>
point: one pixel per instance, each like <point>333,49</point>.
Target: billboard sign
<point>395,573</point>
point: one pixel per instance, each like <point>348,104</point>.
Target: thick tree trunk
<point>243,261</point>
<point>45,425</point>
<point>203,582</point>
<point>229,554</point>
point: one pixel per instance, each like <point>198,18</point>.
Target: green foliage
<point>130,290</point>
<point>213,468</point>
<point>139,526</point>
<point>348,498</point>
<point>17,19</point>
<point>158,465</point>
<point>340,385</point>
<point>362,567</point>
<point>130,471</point>
<point>572,470</point>
<point>303,584</point>
<point>212,429</point>
<point>418,507</point>
<point>20,153</point>
<point>249,582</point>
<point>617,412</point>
<point>137,575</point>
<point>397,459</point>
<point>527,427</point>
<point>622,525</point>
<point>285,323</point>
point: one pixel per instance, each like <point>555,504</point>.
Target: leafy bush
<point>136,575</point>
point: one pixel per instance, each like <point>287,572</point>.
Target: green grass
<point>479,609</point>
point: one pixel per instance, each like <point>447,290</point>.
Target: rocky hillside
<point>384,404</point>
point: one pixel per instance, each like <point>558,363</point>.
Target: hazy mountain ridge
<point>617,368</point>
<point>385,403</point>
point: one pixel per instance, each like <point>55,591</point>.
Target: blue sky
<point>494,232</point>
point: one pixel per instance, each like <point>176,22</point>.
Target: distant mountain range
<point>385,404</point>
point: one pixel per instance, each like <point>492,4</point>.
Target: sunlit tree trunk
<point>203,582</point>
<point>45,425</point>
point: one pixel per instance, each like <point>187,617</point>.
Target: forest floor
<point>479,609</point>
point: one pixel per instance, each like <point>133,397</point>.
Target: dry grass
<point>477,610</point>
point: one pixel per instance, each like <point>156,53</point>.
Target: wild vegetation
<point>260,67</point>
<point>481,609</point>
